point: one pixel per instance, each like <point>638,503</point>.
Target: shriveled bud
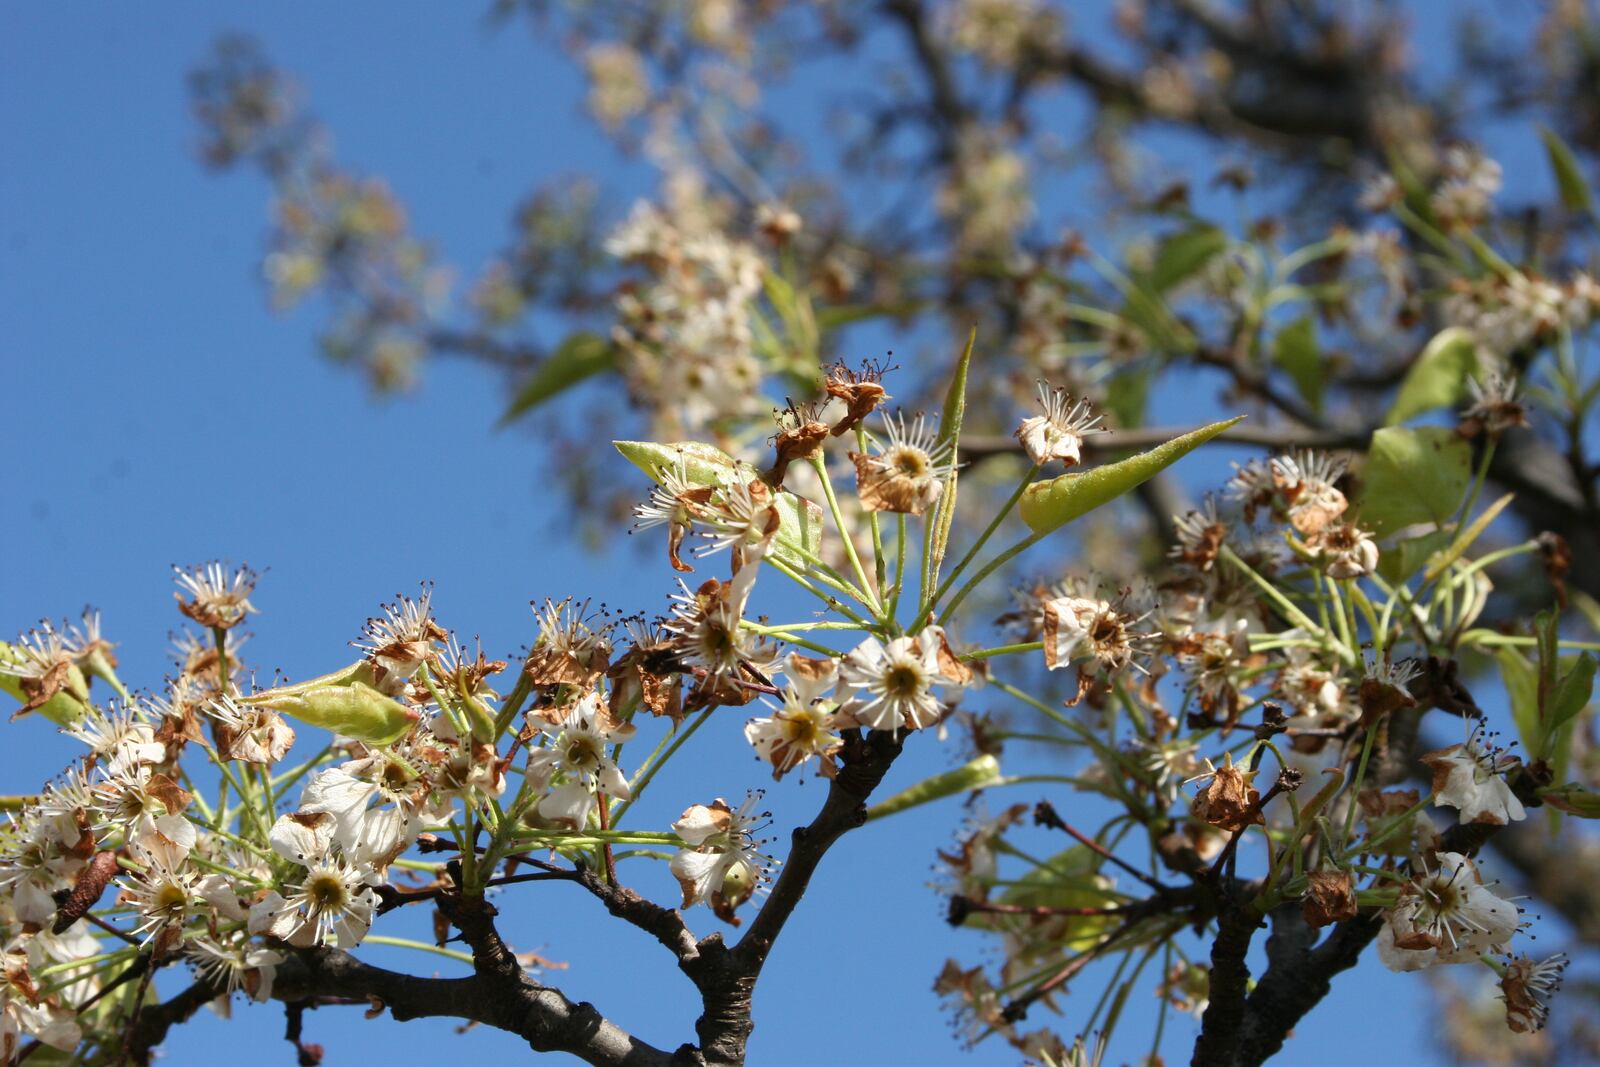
<point>1330,898</point>
<point>355,710</point>
<point>1229,802</point>
<point>86,890</point>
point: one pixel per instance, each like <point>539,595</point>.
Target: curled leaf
<point>1047,506</point>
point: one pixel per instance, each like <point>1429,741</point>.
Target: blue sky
<point>159,413</point>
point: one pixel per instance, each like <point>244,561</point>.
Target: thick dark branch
<point>542,1016</point>
<point>1298,976</point>
<point>866,760</point>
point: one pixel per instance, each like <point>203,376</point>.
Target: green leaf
<point>1573,799</point>
<point>1049,505</point>
<point>1069,879</point>
<point>1413,476</point>
<point>1405,558</point>
<point>579,357</point>
<point>1574,188</point>
<point>1295,350</point>
<point>1438,378</point>
<point>1571,695</point>
<point>703,464</point>
<point>1522,687</point>
<point>1184,254</point>
<point>969,776</point>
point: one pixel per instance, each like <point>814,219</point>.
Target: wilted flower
<point>1446,915</point>
<point>722,865</point>
<point>1346,550</point>
<point>1471,777</point>
<point>400,642</point>
<point>1059,432</point>
<point>1305,484</point>
<point>216,600</point>
<point>908,475</point>
<point>1527,988</point>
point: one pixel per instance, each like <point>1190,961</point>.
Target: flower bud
<point>356,710</point>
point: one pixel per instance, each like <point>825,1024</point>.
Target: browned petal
<point>886,490</point>
<point>39,690</point>
<point>170,793</point>
<point>1229,802</point>
<point>1330,898</point>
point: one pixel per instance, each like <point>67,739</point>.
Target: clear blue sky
<point>158,413</point>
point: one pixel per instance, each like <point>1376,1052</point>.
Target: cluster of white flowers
<point>684,330</point>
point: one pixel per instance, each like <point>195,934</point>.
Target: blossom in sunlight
<point>1445,915</point>
<point>892,686</point>
<point>722,864</point>
<point>574,766</point>
<point>802,727</point>
<point>250,734</point>
<point>165,896</point>
<point>26,1011</point>
<point>859,391</point>
<point>122,739</point>
<point>1471,777</point>
<point>674,503</point>
<point>376,802</point>
<point>908,475</point>
<point>401,641</point>
<point>1058,434</point>
<point>1527,988</point>
<point>332,902</point>
<point>216,599</point>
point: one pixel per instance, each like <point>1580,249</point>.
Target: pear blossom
<point>1471,777</point>
<point>231,967</point>
<point>892,686</point>
<point>1058,434</point>
<point>1446,915</point>
<point>576,754</point>
<point>801,728</point>
<point>908,475</point>
<point>347,792</point>
<point>122,739</point>
<point>332,902</point>
<point>722,864</point>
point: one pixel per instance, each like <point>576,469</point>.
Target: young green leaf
<point>1295,350</point>
<point>1522,686</point>
<point>1574,188</point>
<point>581,356</point>
<point>1438,378</point>
<point>969,776</point>
<point>1414,476</point>
<point>1047,506</point>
